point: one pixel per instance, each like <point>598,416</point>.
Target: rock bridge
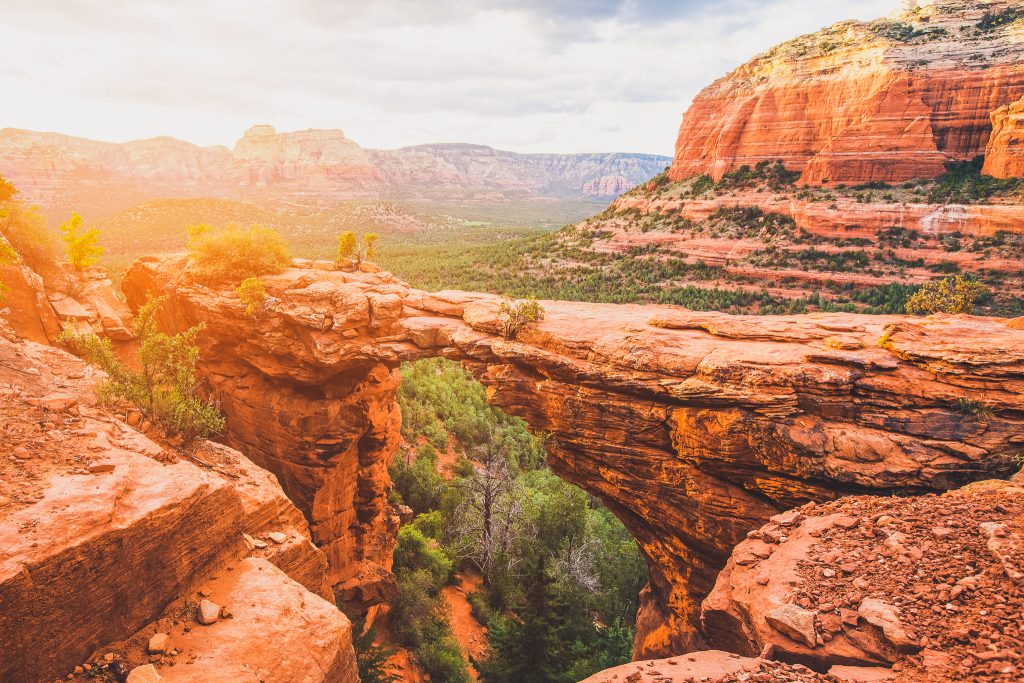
<point>692,427</point>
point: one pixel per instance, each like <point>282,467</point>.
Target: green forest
<point>561,575</point>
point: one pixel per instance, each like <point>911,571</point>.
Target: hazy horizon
<point>526,76</point>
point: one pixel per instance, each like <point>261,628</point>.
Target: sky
<point>523,75</point>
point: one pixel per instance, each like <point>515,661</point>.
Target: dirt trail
<point>470,633</point>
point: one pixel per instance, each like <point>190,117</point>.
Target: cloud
<point>530,75</point>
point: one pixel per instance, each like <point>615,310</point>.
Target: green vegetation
<point>973,408</point>
<point>372,660</point>
<point>514,316</point>
<point>963,183</point>
<point>81,244</point>
<point>164,386</point>
<point>957,294</point>
<point>994,20</point>
<point>904,33</point>
<point>26,231</point>
<point>236,254</point>
<point>561,576</point>
<point>253,293</point>
<point>349,248</point>
<point>7,257</point>
<point>7,189</point>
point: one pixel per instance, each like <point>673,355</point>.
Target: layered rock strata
<point>1004,157</point>
<point>858,102</point>
<point>104,533</point>
<point>693,427</point>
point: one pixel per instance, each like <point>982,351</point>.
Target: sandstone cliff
<point>694,428</point>
<point>1004,157</point>
<point>108,538</point>
<point>888,100</point>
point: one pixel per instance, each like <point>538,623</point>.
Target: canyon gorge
<point>693,427</point>
<point>831,495</point>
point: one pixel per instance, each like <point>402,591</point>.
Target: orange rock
<point>693,427</point>
<point>87,560</point>
<point>860,102</point>
<point>1004,157</point>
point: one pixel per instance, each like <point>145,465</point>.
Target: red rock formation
<point>104,533</point>
<point>845,216</point>
<point>38,310</point>
<point>886,101</point>
<point>693,427</point>
<point>24,303</point>
<point>1004,157</point>
<point>866,581</point>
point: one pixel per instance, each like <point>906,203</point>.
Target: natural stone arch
<point>692,427</point>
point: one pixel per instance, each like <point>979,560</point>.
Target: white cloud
<point>563,76</point>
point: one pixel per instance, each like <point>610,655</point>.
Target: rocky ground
<point>925,589</point>
<point>108,537</point>
<point>930,588</point>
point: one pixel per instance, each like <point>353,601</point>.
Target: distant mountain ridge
<point>49,167</point>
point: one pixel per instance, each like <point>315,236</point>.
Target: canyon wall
<point>694,428</point>
<point>888,100</point>
<point>1004,157</point>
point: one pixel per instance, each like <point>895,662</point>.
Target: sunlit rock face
<point>107,536</point>
<point>694,428</point>
<point>1004,157</point>
<point>888,100</point>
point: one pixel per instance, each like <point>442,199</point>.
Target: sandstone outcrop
<point>38,310</point>
<point>888,100</point>
<point>693,427</point>
<point>912,587</point>
<point>1004,156</point>
<point>104,533</point>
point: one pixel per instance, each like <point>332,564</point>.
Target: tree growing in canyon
<point>235,254</point>
<point>956,294</point>
<point>490,512</point>
<point>165,385</point>
<point>81,244</point>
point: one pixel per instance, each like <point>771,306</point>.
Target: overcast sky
<point>526,75</point>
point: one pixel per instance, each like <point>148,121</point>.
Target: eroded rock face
<point>887,101</point>
<point>1004,157</point>
<point>38,309</point>
<point>103,532</point>
<point>693,427</point>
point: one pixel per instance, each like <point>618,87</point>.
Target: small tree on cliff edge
<point>349,248</point>
<point>957,294</point>
<point>514,315</point>
<point>165,386</point>
<point>80,243</point>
